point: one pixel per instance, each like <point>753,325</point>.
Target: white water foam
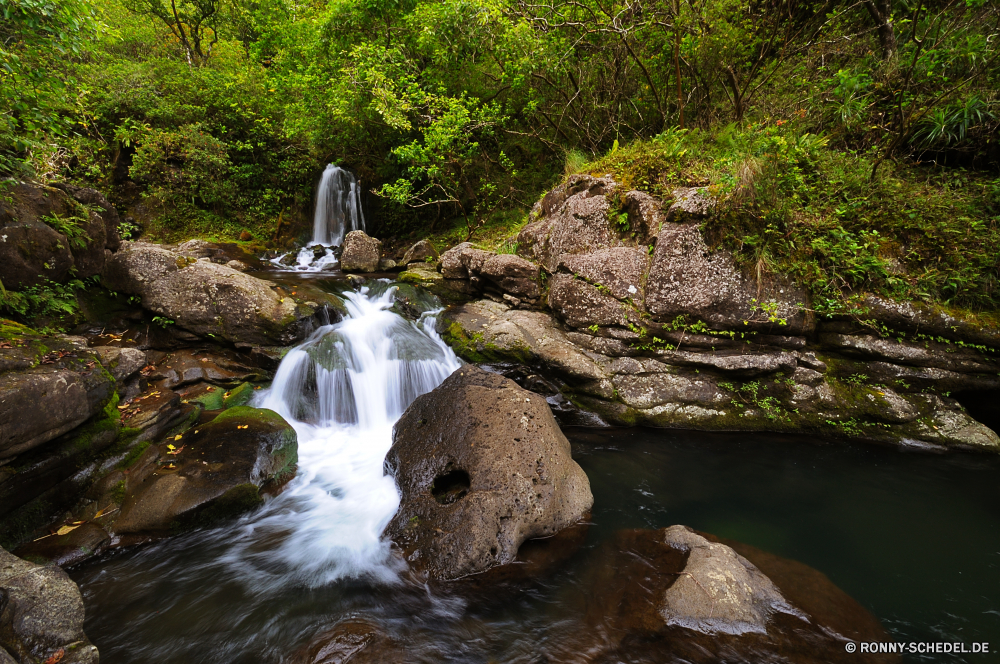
<point>342,390</point>
<point>338,211</point>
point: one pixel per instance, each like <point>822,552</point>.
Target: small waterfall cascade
<point>338,212</point>
<point>338,207</point>
<point>342,390</point>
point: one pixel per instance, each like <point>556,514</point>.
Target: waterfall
<point>342,390</point>
<point>338,207</point>
<point>338,211</point>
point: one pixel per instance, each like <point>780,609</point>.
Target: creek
<point>915,538</point>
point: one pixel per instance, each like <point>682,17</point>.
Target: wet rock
<point>686,279</point>
<point>229,254</point>
<point>419,253</point>
<point>736,364</point>
<point>217,366</point>
<point>512,274</point>
<point>353,640</point>
<point>916,317</point>
<point>205,298</point>
<point>361,253</point>
<point>237,265</point>
<point>121,363</point>
<point>41,614</point>
<point>677,595</point>
<point>214,470</point>
<point>572,219</point>
<point>386,264</point>
<point>152,413</point>
<point>482,466</point>
<point>61,384</point>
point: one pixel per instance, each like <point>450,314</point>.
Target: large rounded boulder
<point>482,467</point>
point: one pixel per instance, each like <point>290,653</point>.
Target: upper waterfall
<point>338,207</point>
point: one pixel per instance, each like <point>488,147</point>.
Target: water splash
<point>342,390</point>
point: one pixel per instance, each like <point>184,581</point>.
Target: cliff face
<point>623,309</point>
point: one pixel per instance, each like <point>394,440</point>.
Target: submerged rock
<point>677,595</point>
<point>41,615</point>
<point>482,466</point>
<point>361,253</point>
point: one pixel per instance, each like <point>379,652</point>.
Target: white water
<point>342,390</point>
<point>338,211</point>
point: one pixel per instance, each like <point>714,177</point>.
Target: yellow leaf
<point>177,437</point>
<point>170,447</point>
<point>66,529</point>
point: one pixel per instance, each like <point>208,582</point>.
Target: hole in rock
<point>983,405</point>
<point>450,486</point>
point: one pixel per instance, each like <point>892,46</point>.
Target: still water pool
<point>913,537</point>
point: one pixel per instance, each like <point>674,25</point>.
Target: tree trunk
<point>881,13</point>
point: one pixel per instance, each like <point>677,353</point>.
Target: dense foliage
<point>214,116</point>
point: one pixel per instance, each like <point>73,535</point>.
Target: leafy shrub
<point>186,164</point>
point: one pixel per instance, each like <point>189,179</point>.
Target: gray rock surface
<point>41,613</point>
<point>512,274</point>
<point>482,466</point>
<point>361,252</point>
<point>686,279</point>
<point>572,219</point>
<point>205,298</point>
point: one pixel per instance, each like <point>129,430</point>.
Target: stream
<point>913,537</point>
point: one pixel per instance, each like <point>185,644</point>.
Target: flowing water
<point>913,537</point>
<point>338,212</point>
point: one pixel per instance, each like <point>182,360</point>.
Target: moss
<point>18,526</point>
<point>234,502</point>
<point>133,454</point>
<point>238,396</point>
<point>477,350</point>
<point>118,492</point>
<point>210,400</point>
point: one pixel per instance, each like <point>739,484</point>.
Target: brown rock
<point>622,271</point>
<point>361,253</point>
<point>482,466</point>
<point>512,274</point>
<point>419,253</point>
<point>573,220</point>
<point>581,304</point>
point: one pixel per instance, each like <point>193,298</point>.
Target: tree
<point>194,23</point>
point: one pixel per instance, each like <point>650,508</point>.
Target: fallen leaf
<point>177,437</point>
<point>56,657</point>
<point>177,451</point>
<point>106,511</point>
<point>66,529</point>
<point>170,466</point>
<point>170,447</point>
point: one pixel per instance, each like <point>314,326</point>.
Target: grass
<point>497,233</point>
<point>789,204</point>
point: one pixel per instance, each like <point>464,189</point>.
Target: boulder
<point>41,614</point>
<point>686,279</point>
<point>512,274</point>
<point>205,298</point>
<point>419,253</point>
<point>212,471</point>
<point>62,385</point>
<point>481,466</point>
<point>677,595</point>
<point>361,253</point>
<point>621,271</point>
<point>34,250</point>
<point>572,219</point>
<point>121,363</point>
<point>463,261</point>
<point>581,304</point>
<point>215,365</point>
